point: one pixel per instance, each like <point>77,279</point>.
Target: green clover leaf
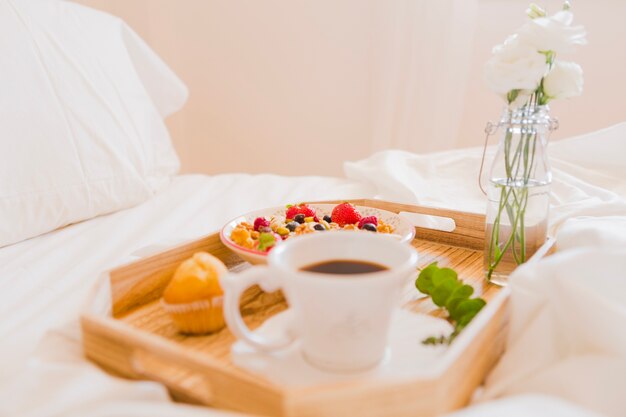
<point>449,292</point>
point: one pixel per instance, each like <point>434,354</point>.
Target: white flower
<point>563,81</point>
<point>514,65</point>
<point>553,33</point>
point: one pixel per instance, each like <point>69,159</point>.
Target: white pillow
<point>82,101</point>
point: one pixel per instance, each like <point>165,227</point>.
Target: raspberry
<point>261,222</point>
<point>369,219</point>
<point>307,211</point>
<point>293,211</point>
<point>345,213</point>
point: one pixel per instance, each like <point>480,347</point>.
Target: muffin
<point>193,298</point>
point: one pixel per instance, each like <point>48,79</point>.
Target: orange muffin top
<point>196,279</point>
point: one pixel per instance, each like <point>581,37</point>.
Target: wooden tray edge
<point>133,341</point>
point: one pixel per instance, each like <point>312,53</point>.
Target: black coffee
<point>344,267</point>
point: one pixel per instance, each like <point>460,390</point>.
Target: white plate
<point>403,229</point>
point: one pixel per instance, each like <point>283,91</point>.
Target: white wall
<point>603,60</point>
<point>289,86</point>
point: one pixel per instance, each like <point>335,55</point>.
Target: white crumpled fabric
<point>589,176</point>
<point>568,325</point>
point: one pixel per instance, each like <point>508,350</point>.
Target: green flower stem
<point>510,240</point>
<point>519,161</point>
<point>495,231</point>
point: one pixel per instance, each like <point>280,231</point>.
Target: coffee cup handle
<point>234,285</point>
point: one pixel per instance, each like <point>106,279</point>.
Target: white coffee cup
<point>342,321</point>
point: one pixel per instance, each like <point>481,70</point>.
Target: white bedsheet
<point>45,282</point>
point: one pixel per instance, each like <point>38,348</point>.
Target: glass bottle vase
<point>518,191</point>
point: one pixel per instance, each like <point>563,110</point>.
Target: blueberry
<point>370,227</point>
<point>319,227</point>
<point>328,219</point>
<point>291,226</point>
<point>299,218</point>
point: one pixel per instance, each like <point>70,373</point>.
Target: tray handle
<point>429,221</point>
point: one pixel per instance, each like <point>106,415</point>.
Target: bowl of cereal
<point>253,235</point>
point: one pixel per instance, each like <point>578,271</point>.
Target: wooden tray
<point>139,341</point>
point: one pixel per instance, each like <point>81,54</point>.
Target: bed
<point>93,184</point>
<point>48,280</point>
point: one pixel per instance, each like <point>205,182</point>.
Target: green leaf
<point>512,95</point>
<point>452,304</point>
<point>437,340</point>
<point>475,304</point>
<point>449,292</point>
<point>466,310</point>
<point>461,293</point>
<point>442,292</point>
<point>424,281</point>
<point>464,291</point>
<point>442,275</point>
<point>465,319</point>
